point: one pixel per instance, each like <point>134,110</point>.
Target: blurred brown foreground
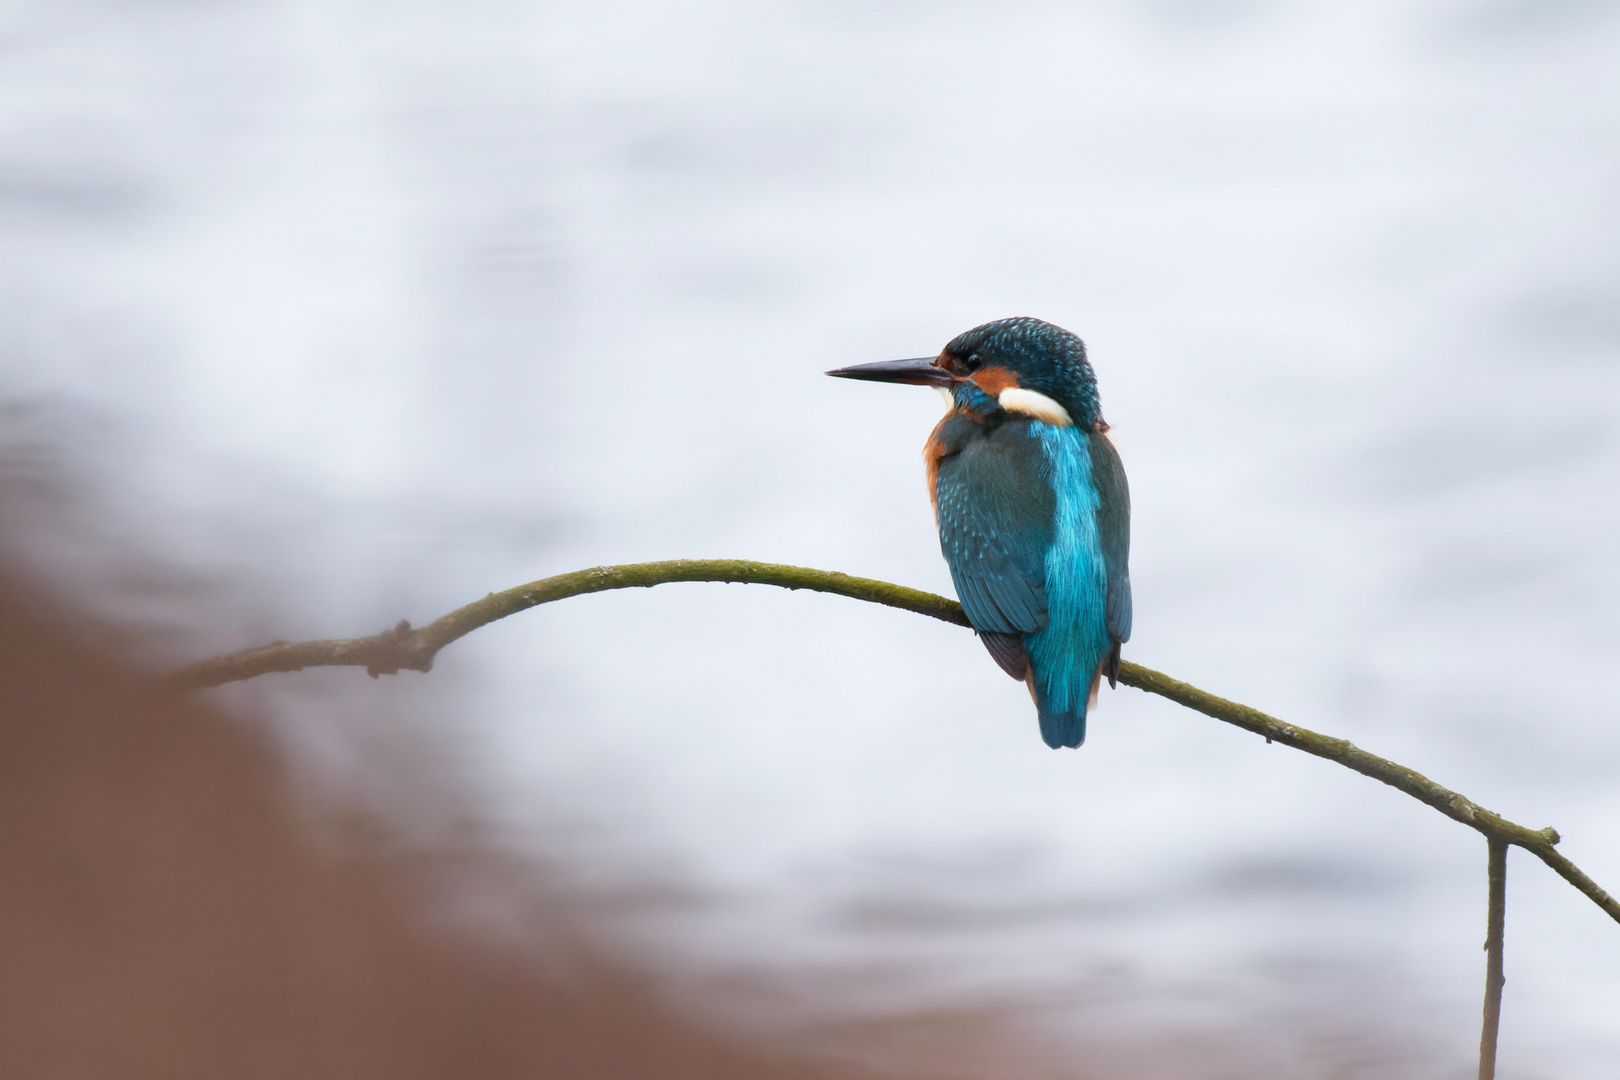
<point>164,914</point>
<point>169,910</point>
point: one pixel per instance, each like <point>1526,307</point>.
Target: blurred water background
<point>355,311</point>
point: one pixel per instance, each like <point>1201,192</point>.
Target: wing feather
<point>1113,532</point>
<point>1008,651</point>
<point>996,511</point>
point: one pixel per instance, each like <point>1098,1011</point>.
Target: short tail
<point>1062,727</point>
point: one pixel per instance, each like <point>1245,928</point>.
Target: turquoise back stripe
<point>1065,655</point>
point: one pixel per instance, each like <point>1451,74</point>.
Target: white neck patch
<point>1033,403</point>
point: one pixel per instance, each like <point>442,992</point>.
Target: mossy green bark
<point>407,649</point>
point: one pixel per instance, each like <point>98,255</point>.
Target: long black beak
<point>921,372</point>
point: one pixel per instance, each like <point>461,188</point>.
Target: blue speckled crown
<point>1046,358</point>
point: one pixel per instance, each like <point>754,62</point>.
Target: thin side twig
<point>1495,924</point>
<point>406,649</point>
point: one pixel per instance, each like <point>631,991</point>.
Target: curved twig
<point>407,649</point>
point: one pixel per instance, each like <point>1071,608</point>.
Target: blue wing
<point>995,525</point>
<point>1113,533</point>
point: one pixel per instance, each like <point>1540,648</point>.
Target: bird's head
<point>1025,365</point>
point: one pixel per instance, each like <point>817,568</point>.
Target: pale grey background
<point>379,306</point>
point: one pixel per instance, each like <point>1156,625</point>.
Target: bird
<point>1032,506</point>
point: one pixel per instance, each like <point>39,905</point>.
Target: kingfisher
<point>1033,510</point>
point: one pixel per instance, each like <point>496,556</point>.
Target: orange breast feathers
<point>992,381</point>
<point>933,451</point>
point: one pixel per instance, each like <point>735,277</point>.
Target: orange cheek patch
<point>994,380</point>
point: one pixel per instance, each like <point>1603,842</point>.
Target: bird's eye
<point>973,362</point>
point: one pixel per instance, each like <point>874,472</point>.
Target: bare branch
<point>407,649</point>
<point>1539,842</point>
<point>1495,925</point>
